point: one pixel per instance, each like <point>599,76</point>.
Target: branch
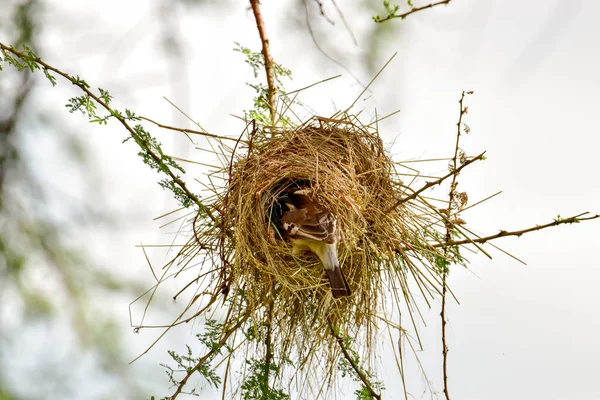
<point>268,341</point>
<point>355,367</point>
<point>266,51</point>
<point>201,362</point>
<point>141,141</point>
<point>412,11</point>
<point>449,230</point>
<point>455,172</point>
<point>556,222</point>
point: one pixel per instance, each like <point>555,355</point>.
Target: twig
<point>355,367</point>
<point>436,182</point>
<point>481,201</point>
<point>370,83</point>
<point>346,25</point>
<point>378,120</point>
<point>503,233</point>
<point>312,84</point>
<point>269,340</point>
<point>322,12</point>
<point>210,135</point>
<point>318,46</point>
<point>224,391</point>
<point>443,317</point>
<point>266,51</point>
<point>412,11</point>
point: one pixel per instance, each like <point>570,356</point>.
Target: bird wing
<point>306,218</point>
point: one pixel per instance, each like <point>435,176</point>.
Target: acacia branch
<point>142,142</point>
<point>454,172</point>
<point>352,362</point>
<point>412,11</point>
<point>559,221</point>
<point>266,51</point>
<point>201,361</point>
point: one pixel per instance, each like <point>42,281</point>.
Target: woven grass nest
<point>266,285</point>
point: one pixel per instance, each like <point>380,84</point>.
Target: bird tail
<point>337,280</point>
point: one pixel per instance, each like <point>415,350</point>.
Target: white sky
<point>520,332</point>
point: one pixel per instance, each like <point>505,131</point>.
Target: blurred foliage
<point>48,281</point>
<point>44,277</point>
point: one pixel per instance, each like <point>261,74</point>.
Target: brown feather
<point>339,285</point>
<point>311,226</point>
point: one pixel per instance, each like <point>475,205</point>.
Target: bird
<point>308,225</point>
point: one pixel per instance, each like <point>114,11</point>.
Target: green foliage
<point>27,60</point>
<point>257,62</point>
<point>188,363</point>
<point>261,111</point>
<point>364,393</point>
<point>210,338</point>
<point>392,11</point>
<point>256,386</point>
<point>179,194</point>
<point>85,104</point>
<point>50,77</point>
<point>452,256</point>
<point>442,264</point>
<point>346,369</point>
<point>151,148</point>
<point>212,335</point>
<point>147,142</point>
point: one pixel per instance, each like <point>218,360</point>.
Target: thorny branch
<point>436,182</point>
<point>449,230</point>
<point>266,51</point>
<point>559,221</point>
<point>412,11</point>
<point>352,362</point>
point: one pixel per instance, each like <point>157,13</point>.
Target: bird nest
<point>284,298</point>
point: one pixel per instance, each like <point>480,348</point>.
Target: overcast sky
<point>520,332</point>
